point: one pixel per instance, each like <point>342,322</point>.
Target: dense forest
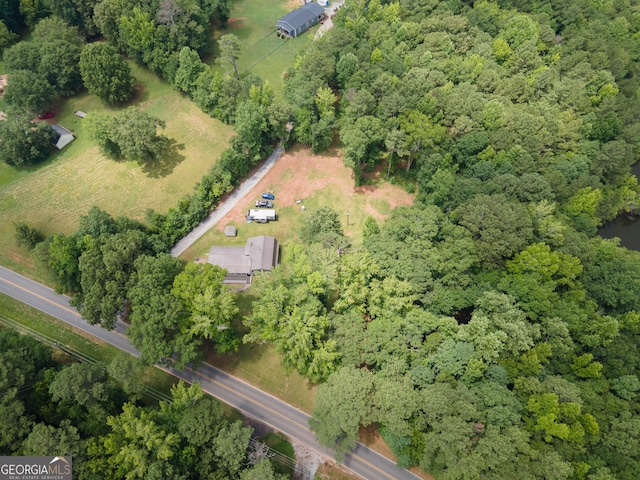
<point>94,413</point>
<point>486,330</point>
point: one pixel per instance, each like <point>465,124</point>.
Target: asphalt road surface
<point>252,402</point>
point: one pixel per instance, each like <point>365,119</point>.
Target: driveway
<point>226,205</point>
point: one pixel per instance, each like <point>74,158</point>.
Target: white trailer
<point>261,215</point>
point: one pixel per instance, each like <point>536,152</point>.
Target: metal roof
<point>63,136</point>
<point>298,18</point>
<point>259,253</point>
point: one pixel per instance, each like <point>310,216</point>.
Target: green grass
<point>279,443</point>
<point>262,53</point>
<point>77,340</point>
<point>53,195</point>
<point>259,365</point>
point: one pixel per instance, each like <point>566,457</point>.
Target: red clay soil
<point>300,173</point>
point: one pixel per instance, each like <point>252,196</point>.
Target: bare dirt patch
<point>237,22</point>
<point>293,4</point>
<point>300,174</point>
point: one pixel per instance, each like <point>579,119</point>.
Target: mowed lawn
<point>53,195</point>
<point>316,180</point>
<point>262,53</point>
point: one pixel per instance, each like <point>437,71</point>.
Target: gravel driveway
<point>225,206</point>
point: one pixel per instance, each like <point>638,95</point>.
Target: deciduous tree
<point>341,405</point>
<point>210,304</point>
<point>28,91</point>
<point>22,142</point>
<point>105,73</point>
<point>229,50</point>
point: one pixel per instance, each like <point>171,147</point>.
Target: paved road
<point>252,402</point>
<point>225,207</point>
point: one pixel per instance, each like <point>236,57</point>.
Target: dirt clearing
<point>322,179</point>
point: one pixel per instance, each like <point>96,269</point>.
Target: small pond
<point>625,228</point>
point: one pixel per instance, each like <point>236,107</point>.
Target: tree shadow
<point>166,161</point>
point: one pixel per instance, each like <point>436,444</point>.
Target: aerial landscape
<point>269,240</point>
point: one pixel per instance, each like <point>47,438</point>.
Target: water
<point>625,228</point>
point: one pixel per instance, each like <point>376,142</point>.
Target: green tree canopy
<point>341,405</point>
<point>27,90</point>
<point>131,134</point>
<point>22,142</point>
<point>210,304</point>
<point>105,73</point>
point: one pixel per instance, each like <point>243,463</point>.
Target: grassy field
<point>52,196</point>
<point>262,53</point>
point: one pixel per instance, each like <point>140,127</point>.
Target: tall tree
<point>81,383</point>
<point>190,67</point>
<point>105,73</point>
<point>55,28</point>
<point>131,134</point>
<point>28,91</point>
<point>157,316</point>
<point>323,226</point>
<point>59,64</point>
<point>24,143</point>
<point>229,50</point>
<point>500,228</point>
<point>341,405</point>
<point>211,305</point>
<point>105,267</point>
<point>7,37</point>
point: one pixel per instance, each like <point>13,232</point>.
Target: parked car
<point>268,196</point>
<point>45,115</point>
<point>264,204</point>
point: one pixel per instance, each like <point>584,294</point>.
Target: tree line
<point>95,413</point>
<point>486,330</point>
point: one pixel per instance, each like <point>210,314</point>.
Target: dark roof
<point>299,17</point>
<point>259,253</point>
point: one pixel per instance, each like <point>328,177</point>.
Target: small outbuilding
<point>260,254</point>
<point>63,136</point>
<point>300,20</point>
<point>230,231</point>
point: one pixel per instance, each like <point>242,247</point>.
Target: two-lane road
<point>252,402</point>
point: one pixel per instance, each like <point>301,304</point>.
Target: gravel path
<point>328,21</point>
<point>225,207</point>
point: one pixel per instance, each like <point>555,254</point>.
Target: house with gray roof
<point>300,20</point>
<point>63,136</point>
<point>259,254</point>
